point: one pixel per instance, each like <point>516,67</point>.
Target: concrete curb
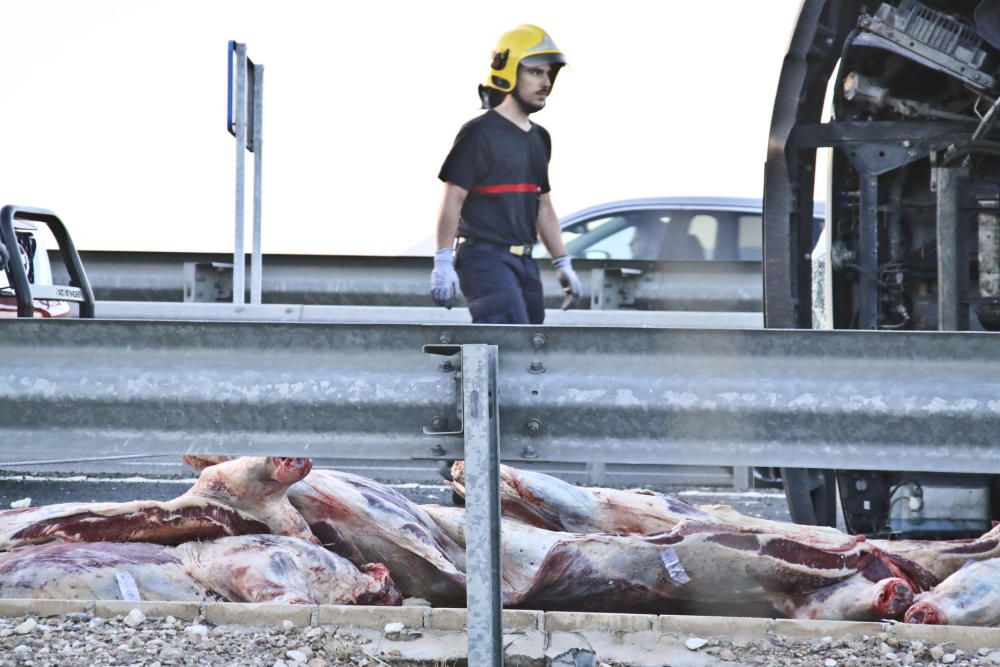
<point>533,636</point>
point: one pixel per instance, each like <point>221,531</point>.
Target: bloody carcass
<point>247,568</point>
<point>237,497</point>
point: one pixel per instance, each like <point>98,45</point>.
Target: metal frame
<point>78,290</point>
<point>789,175</point>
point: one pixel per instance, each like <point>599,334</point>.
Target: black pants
<point>500,287</point>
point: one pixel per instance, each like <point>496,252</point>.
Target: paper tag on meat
<point>675,570</point>
<point>127,587</point>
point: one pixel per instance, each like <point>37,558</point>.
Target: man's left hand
<point>568,279</point>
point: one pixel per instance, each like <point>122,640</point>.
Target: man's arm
<point>451,210</point>
<point>548,227</point>
<point>444,281</point>
<point>551,236</point>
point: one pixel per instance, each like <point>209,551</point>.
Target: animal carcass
<point>242,496</point>
<point>970,596</point>
<point>695,567</point>
<point>365,521</point>
<point>248,568</point>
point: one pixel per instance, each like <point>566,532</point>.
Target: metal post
<point>256,278</point>
<point>239,270</point>
<point>953,271</point>
<point>868,253</point>
<point>482,506</point>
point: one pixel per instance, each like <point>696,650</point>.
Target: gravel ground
<point>79,639</point>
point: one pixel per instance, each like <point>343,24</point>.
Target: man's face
<point>533,86</point>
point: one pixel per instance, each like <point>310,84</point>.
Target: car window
<point>631,235</point>
<point>666,234</point>
<point>617,245</point>
<point>751,237</point>
<point>591,229</point>
<point>705,228</point>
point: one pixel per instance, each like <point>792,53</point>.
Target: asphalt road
<point>50,489</point>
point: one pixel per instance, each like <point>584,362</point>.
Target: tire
<point>811,494</point>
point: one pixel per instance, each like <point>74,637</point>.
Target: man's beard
<point>526,106</point>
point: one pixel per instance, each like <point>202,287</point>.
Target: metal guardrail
<point>861,400</point>
<point>159,310</point>
<point>403,281</point>
<point>590,472</point>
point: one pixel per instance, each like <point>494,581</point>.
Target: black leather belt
<point>519,250</point>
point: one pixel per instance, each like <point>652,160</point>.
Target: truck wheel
<point>811,494</point>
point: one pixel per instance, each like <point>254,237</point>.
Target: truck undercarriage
<point>912,236</point>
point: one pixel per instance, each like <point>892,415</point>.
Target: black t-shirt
<point>505,170</point>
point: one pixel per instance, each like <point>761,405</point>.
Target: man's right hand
<point>444,280</point>
<point>568,279</point>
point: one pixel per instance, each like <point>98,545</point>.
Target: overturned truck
<point>912,236</point>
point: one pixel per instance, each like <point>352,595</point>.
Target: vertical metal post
<point>256,277</point>
<point>868,253</point>
<point>482,505</point>
<point>953,269</point>
<point>239,269</point>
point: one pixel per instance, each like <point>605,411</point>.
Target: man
<point>496,199</point>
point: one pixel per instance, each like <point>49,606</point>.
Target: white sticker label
<point>672,562</point>
<point>127,587</point>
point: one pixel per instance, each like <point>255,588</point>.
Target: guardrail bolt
<point>438,424</point>
<point>538,341</point>
<point>446,366</point>
<point>529,452</point>
<point>533,426</point>
<point>444,338</point>
<point>437,450</point>
<point>536,367</point>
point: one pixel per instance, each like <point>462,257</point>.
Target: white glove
<point>444,280</point>
<point>568,279</point>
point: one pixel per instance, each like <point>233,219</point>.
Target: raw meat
<point>242,496</point>
<point>694,567</point>
<point>92,571</point>
<point>942,558</point>
<point>273,568</point>
<point>856,598</point>
<point>970,596</point>
<point>365,521</point>
<point>248,568</point>
<point>547,502</point>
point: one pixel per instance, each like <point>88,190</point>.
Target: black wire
<point>980,146</point>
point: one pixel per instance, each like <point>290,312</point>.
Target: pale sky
<point>113,111</point>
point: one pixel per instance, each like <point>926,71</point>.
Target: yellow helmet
<point>526,45</point>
